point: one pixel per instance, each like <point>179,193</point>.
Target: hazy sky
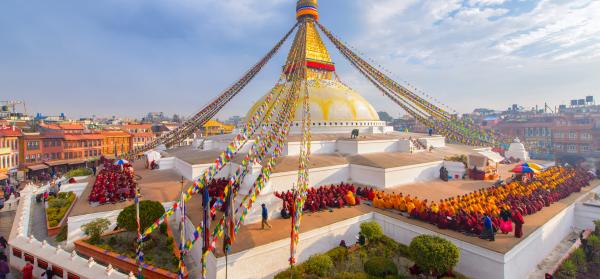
<point>128,57</point>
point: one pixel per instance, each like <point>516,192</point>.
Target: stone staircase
<point>418,146</point>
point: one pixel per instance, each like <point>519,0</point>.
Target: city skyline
<point>173,57</point>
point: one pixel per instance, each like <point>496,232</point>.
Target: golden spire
<point>318,60</point>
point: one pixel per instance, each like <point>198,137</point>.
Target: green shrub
<point>62,235</point>
<point>112,241</point>
<point>57,203</point>
<point>169,241</point>
<point>567,270</point>
<point>380,267</point>
<point>350,275</point>
<point>319,265</point>
<point>597,228</point>
<point>579,259</point>
<point>297,274</point>
<point>338,254</point>
<point>434,254</point>
<point>78,172</point>
<point>150,211</point>
<point>58,206</point>
<point>371,230</point>
<point>95,229</point>
<point>593,243</point>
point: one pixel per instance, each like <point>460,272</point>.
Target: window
<point>585,148</point>
<point>572,135</point>
<point>586,136</point>
<point>572,148</point>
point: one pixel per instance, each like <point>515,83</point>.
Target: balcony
<point>5,150</point>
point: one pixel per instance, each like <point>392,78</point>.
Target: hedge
<point>78,172</point>
<point>380,267</point>
<point>58,206</point>
<point>371,230</point>
<point>319,265</point>
<point>150,211</point>
<point>567,270</point>
<point>434,254</point>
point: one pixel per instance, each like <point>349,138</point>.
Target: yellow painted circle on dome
<point>332,101</point>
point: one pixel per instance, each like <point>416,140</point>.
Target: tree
<point>150,211</point>
<point>371,230</point>
<point>434,254</point>
<point>95,229</point>
<point>384,116</point>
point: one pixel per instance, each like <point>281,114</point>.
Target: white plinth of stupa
<point>517,150</point>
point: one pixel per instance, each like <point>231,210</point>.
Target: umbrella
<point>535,166</point>
<point>121,162</point>
<point>524,168</point>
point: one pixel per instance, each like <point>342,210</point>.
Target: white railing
<point>24,247</point>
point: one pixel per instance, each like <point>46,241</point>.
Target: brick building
<point>140,134</point>
<point>30,149</point>
<point>9,151</point>
<point>79,148</point>
<point>66,128</point>
<point>115,142</point>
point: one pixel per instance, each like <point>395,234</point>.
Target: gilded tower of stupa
<point>334,107</point>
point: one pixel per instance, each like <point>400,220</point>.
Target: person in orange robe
<point>350,198</point>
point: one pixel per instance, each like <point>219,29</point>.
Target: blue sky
<point>126,58</point>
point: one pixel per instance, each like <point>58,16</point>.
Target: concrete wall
<point>412,173</point>
<point>316,147</point>
<point>248,264</point>
<point>281,182</point>
<point>375,146</point>
<point>475,261</point>
<point>367,175</point>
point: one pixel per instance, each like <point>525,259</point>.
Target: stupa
<point>516,150</point>
<point>334,107</point>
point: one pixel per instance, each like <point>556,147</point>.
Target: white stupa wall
<point>475,261</point>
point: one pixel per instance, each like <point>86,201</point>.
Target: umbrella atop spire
<point>307,8</point>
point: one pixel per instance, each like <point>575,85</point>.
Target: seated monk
<point>402,205</point>
<point>350,200</point>
<point>388,203</point>
<point>410,206</point>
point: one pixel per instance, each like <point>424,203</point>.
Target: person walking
<point>48,274</point>
<point>265,217</point>
<point>4,269</point>
<point>488,228</point>
<point>518,219</point>
<point>27,271</point>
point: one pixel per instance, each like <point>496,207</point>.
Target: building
<point>79,148</point>
<point>9,151</point>
<point>52,146</point>
<point>67,128</point>
<point>140,134</point>
<point>115,142</point>
<point>214,127</point>
<point>30,149</point>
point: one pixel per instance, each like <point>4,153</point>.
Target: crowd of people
<point>114,183</point>
<point>487,211</point>
<point>321,198</point>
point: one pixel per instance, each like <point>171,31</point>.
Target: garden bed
<point>380,257</point>
<point>583,262</point>
<point>118,249</point>
<point>58,210</point>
